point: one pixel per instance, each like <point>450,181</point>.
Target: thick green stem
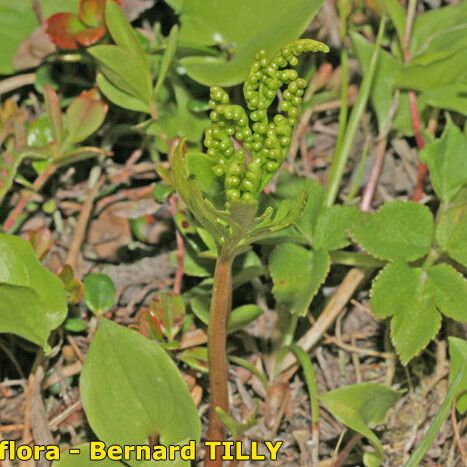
<point>342,156</point>
<point>221,305</point>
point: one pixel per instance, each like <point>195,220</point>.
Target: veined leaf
<point>32,299</point>
<point>405,293</point>
<point>398,230</point>
<point>449,289</point>
<point>451,232</point>
<point>151,399</point>
<point>84,116</point>
<point>120,68</point>
<point>333,227</point>
<point>359,406</point>
<point>297,274</point>
<point>119,97</point>
<point>447,162</point>
<point>240,28</point>
<point>458,356</point>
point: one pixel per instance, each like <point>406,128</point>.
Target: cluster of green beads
<point>247,149</point>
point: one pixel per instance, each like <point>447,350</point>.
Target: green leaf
<point>125,37</point>
<point>449,289</point>
<point>200,166</point>
<point>359,406</point>
<point>241,28</point>
<point>84,116</point>
<point>333,227</point>
<point>405,294</point>
<point>132,391</point>
<point>458,355</point>
<point>119,97</point>
<point>397,14</point>
<point>384,81</point>
<point>167,58</point>
<point>82,459</point>
<point>451,97</point>
<point>75,325</point>
<point>242,316</point>
<point>398,230</point>
<point>178,120</point>
<point>438,29</point>
<point>437,73</point>
<point>447,163</point>
<point>297,274</point>
<point>17,22</point>
<point>451,232</point>
<point>120,68</point>
<point>457,384</point>
<point>32,299</point>
<point>99,292</point>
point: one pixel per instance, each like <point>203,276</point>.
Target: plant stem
<point>342,156</point>
<point>344,110</point>
<point>221,305</point>
<point>309,373</point>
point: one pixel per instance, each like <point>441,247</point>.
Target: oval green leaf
<point>132,390</point>
<point>99,292</point>
<point>32,299</point>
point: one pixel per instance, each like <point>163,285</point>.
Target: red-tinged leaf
<point>91,36</point>
<point>62,29</point>
<point>73,286</point>
<point>41,241</point>
<point>84,116</point>
<point>92,12</point>
<point>54,111</point>
<point>149,325</point>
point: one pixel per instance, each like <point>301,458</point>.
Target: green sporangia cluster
<point>248,147</point>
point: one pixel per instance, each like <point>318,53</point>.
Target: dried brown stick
<point>379,157</point>
<point>80,230</point>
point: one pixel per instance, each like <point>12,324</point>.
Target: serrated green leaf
<point>150,399</point>
<point>458,356</point>
<point>297,274</point>
<point>240,27</point>
<point>398,230</point>
<point>451,232</point>
<point>397,276</point>
<point>449,290</point>
<point>99,292</point>
<point>32,299</point>
<point>333,227</point>
<point>405,294</point>
<point>359,406</point>
<point>447,163</point>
